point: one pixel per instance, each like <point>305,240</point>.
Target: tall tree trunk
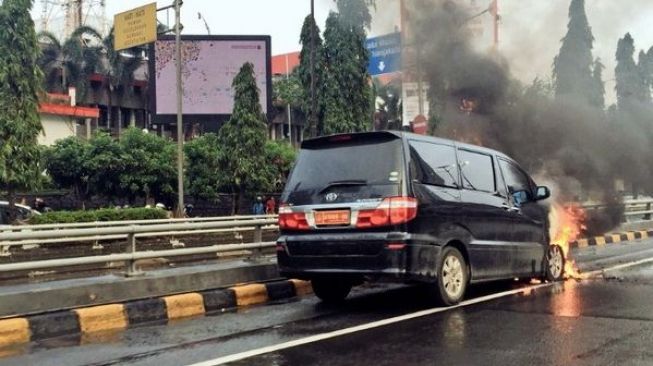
<point>64,81</point>
<point>109,109</point>
<point>235,203</point>
<point>11,197</point>
<point>119,120</point>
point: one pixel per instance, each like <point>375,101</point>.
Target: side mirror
<point>542,192</point>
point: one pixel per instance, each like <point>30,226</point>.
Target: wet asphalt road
<point>603,321</point>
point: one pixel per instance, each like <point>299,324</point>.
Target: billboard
<point>209,66</point>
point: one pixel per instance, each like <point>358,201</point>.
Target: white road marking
<point>397,319</point>
<point>362,327</point>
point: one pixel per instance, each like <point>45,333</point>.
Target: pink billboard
<point>209,67</point>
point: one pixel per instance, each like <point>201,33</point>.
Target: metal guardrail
<point>132,230</point>
<point>20,235</point>
<point>632,208</point>
<point>96,224</point>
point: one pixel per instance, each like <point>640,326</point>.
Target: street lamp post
<point>313,116</point>
<point>180,128</point>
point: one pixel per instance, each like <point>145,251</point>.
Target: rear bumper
<point>393,256</point>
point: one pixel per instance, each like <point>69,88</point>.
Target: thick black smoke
<point>581,149</point>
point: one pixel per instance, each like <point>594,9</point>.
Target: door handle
<point>510,208</point>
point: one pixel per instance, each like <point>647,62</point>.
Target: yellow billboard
<point>135,27</point>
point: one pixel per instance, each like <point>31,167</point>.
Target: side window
<point>516,180</point>
<point>434,164</point>
<point>477,171</point>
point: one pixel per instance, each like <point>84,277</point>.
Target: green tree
<point>65,163</point>
<point>347,106</point>
<point>203,176</point>
<point>645,69</point>
<point>598,98</point>
<point>139,165</point>
<point>627,74</point>
<point>287,96</point>
<point>149,169</point>
<point>314,126</point>
<point>105,164</point>
<point>572,67</point>
<point>356,13</point>
<point>20,83</point>
<point>288,90</point>
<point>280,156</point>
<point>242,140</point>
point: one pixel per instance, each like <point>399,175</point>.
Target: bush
<point>106,214</point>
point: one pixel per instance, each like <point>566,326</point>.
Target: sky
<point>530,30</point>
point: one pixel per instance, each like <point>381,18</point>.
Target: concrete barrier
<point>612,238</point>
<point>109,318</point>
<point>81,292</point>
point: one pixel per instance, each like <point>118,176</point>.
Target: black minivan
<point>411,208</point>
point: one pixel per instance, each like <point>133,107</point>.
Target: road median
<point>613,238</point>
<point>120,316</point>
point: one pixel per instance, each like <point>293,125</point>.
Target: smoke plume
<point>582,149</point>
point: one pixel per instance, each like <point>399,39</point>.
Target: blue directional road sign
<point>385,54</point>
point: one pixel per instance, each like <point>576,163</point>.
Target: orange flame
<point>567,224</point>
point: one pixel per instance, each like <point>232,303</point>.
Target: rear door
<point>529,218</point>
<point>485,213</point>
<point>335,177</point>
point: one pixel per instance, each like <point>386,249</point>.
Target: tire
<point>554,264</point>
<point>331,290</point>
<point>452,278</point>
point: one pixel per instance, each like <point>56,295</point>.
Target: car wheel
<point>554,264</point>
<point>452,277</point>
<point>331,290</point>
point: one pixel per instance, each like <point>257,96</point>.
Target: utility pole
<point>495,13</point>
<point>313,116</point>
<point>180,127</point>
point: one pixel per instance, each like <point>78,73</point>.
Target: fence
<point>131,231</point>
<point>634,209</point>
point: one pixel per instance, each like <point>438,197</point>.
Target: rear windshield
<point>351,170</point>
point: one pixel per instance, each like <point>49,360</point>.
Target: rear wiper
<point>348,182</point>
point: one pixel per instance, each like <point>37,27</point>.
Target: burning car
<point>411,208</point>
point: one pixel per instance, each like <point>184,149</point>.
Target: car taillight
<point>391,211</point>
<point>292,220</point>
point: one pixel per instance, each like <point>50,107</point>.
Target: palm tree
<point>65,64</point>
<point>117,67</point>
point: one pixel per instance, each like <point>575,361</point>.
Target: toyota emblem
<point>331,197</point>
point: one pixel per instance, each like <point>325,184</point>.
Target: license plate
<point>337,217</point>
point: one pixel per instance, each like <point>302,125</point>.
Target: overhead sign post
<point>135,27</point>
<point>385,54</point>
<point>411,101</point>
